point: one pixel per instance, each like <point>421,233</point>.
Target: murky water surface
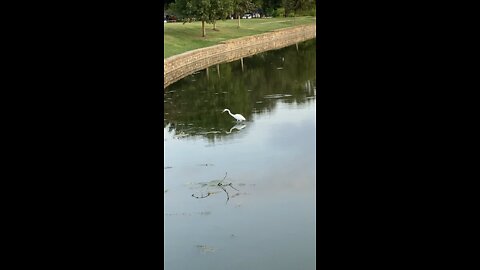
<point>242,195</point>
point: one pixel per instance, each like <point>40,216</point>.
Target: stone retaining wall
<point>179,66</point>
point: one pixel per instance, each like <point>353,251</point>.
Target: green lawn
<point>179,37</point>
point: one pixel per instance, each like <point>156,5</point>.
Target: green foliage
<point>193,9</point>
<point>208,11</point>
<point>307,12</point>
<point>279,12</point>
<point>172,10</point>
<point>220,9</point>
<point>242,6</point>
<point>202,10</point>
<point>258,3</point>
<point>297,6</point>
<point>269,12</point>
<point>271,4</point>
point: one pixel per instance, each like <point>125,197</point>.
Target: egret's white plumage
<point>237,116</point>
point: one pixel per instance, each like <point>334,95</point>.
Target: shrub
<point>309,12</point>
<point>269,12</point>
<point>279,12</point>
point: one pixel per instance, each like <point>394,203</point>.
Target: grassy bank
<point>179,37</point>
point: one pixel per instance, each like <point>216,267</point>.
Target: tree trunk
<point>238,21</point>
<point>215,25</point>
<point>203,28</point>
<point>293,17</point>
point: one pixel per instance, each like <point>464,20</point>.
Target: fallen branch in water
<point>222,186</point>
<point>228,197</point>
<point>201,197</point>
<point>228,185</point>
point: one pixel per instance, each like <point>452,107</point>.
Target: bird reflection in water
<point>237,127</point>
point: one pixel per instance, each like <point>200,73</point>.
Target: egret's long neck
<point>229,112</point>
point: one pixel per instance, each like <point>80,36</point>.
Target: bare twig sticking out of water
<point>230,185</point>
<point>228,197</point>
<point>227,185</point>
<point>205,164</point>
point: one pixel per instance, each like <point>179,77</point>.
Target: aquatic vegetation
<point>277,96</point>
<point>205,249</point>
<point>203,213</point>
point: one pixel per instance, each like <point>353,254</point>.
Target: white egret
<point>237,116</point>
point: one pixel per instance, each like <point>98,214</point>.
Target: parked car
<point>247,16</point>
<point>170,18</point>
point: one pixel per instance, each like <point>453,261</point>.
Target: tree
<point>194,9</point>
<point>206,11</point>
<point>269,6</point>
<point>258,5</point>
<point>220,9</point>
<point>171,10</point>
<point>242,6</point>
<point>297,5</point>
<point>166,3</point>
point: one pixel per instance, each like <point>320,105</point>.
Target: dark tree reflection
<point>194,105</point>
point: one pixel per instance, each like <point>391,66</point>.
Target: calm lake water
<point>262,215</point>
